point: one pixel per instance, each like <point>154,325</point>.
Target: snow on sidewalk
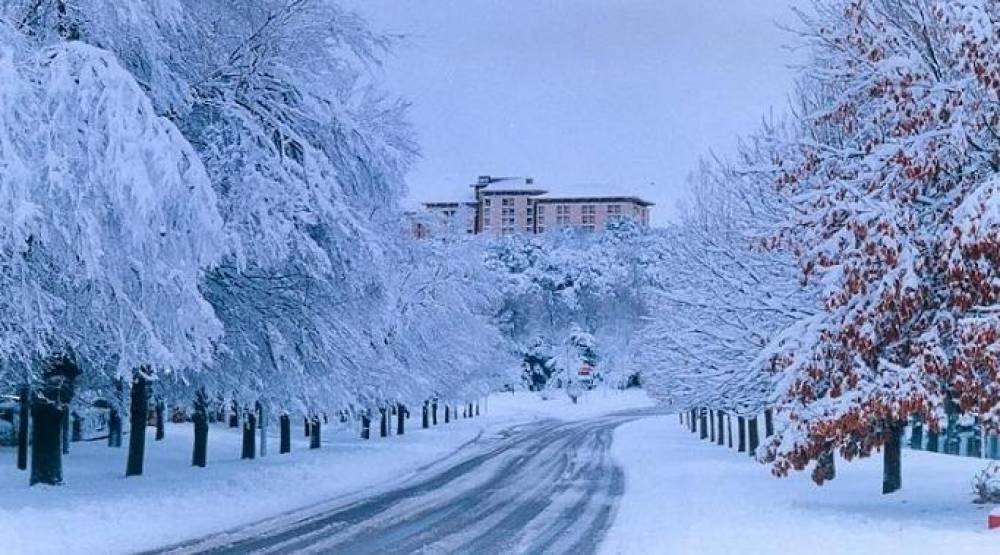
<point>100,511</point>
<point>685,496</point>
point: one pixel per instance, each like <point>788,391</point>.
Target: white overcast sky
<point>581,94</point>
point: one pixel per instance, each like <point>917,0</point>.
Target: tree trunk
<point>768,423</point>
<point>692,424</point>
<point>22,429</point>
<point>262,418</point>
<point>754,436</point>
<point>434,413</point>
<point>400,416</point>
<point>425,420</point>
<point>137,426</point>
<point>932,441</point>
<point>77,427</point>
<point>65,431</point>
<point>46,452</point>
<point>741,429</point>
<point>729,428</point>
<point>720,433</point>
<point>114,428</point>
<point>917,437</point>
<point>366,426</point>
<point>447,414</point>
<point>285,423</point>
<point>477,408</point>
<point>316,434</point>
<point>892,472</point>
<point>711,426</point>
<point>160,425</point>
<point>305,425</point>
<point>826,469</point>
<point>384,427</point>
<point>702,423</point>
<point>199,455</point>
<point>249,435</point>
<point>47,408</point>
<point>234,416</point>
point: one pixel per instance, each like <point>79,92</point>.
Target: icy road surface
<point>546,487</point>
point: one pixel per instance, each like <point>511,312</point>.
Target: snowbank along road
<point>546,487</point>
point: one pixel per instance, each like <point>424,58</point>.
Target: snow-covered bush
<point>986,485</point>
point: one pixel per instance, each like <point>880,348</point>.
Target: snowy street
<point>549,486</point>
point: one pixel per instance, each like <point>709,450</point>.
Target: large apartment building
<point>508,205</point>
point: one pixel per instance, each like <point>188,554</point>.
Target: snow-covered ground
<point>100,511</point>
<point>685,496</point>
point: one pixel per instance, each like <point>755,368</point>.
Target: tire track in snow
<point>545,488</point>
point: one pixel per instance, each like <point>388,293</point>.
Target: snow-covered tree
<point>891,180</point>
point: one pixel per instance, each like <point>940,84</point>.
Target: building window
<point>507,230</point>
<point>589,228</point>
<point>540,209</point>
<point>588,209</point>
<point>541,219</point>
<point>486,202</point>
<point>562,209</point>
<point>486,222</point>
<point>541,229</point>
<point>562,220</point>
<point>507,202</point>
<point>614,209</point>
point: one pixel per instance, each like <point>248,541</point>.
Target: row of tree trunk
<point>716,426</point>
<point>52,424</point>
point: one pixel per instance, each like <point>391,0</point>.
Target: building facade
<point>506,205</point>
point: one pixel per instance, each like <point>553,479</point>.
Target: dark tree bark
<point>46,451</point>
<point>434,413</point>
<point>932,441</point>
<point>917,438</point>
<point>114,428</point>
<point>199,455</point>
<point>741,429</point>
<point>249,435</point>
<point>400,416</point>
<point>384,427</point>
<point>703,423</point>
<point>316,434</point>
<point>729,429</point>
<point>477,408</point>
<point>768,423</point>
<point>892,463</point>
<point>720,433</point>
<point>159,420</point>
<point>754,439</point>
<point>425,420</point>
<point>65,431</point>
<point>285,423</point>
<point>447,414</point>
<point>137,425</point>
<point>234,416</point>
<point>366,426</point>
<point>22,428</point>
<point>711,426</point>
<point>692,421</point>
<point>77,425</point>
<point>826,469</point>
<point>305,425</point>
<point>47,409</point>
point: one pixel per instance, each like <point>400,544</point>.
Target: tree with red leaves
<point>892,179</point>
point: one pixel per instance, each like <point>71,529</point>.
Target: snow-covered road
<point>549,486</point>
